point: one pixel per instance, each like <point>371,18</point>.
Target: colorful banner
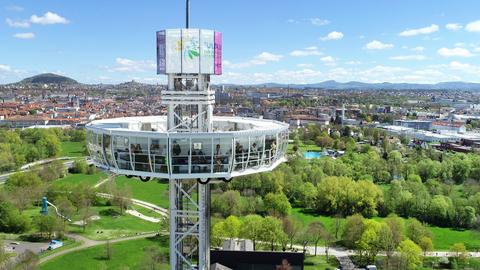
<point>207,45</point>
<point>173,51</point>
<point>161,55</point>
<point>190,51</point>
<point>218,53</point>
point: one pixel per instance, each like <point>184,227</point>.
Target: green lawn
<point>443,238</point>
<point>125,255</point>
<point>72,149</point>
<point>111,225</point>
<point>320,263</point>
<point>75,179</point>
<point>304,147</point>
<point>153,191</point>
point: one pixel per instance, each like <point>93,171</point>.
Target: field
<point>154,191</point>
<point>111,225</point>
<point>75,179</point>
<point>443,238</point>
<point>125,255</point>
<point>320,263</point>
<point>72,149</point>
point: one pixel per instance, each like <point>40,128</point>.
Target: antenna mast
<point>187,18</point>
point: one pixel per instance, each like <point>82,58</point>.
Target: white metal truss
<point>190,108</point>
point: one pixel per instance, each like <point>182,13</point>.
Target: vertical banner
<point>218,53</point>
<point>207,45</point>
<point>173,51</point>
<point>161,56</point>
<point>190,50</point>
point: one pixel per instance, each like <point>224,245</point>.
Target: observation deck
<point>143,147</point>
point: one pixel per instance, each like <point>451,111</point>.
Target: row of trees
<point>19,147</point>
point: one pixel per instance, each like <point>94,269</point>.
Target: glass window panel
<point>222,153</point>
<point>256,151</point>
<point>180,151</point>
<point>158,155</point>
<point>241,153</point>
<point>201,155</point>
<point>121,152</point>
<point>139,153</point>
<point>270,148</point>
<point>107,149</point>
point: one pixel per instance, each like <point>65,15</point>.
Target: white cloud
<point>461,52</point>
<point>48,18</point>
<point>304,65</point>
<point>128,65</point>
<point>15,8</point>
<point>473,26</point>
<point>260,59</point>
<point>17,24</point>
<point>333,36</point>
<point>24,35</point>
<point>420,31</point>
<point>453,26</point>
<point>318,21</point>
<point>309,51</point>
<point>418,49</point>
<point>327,59</point>
<point>378,45</point>
<point>476,49</point>
<point>408,57</point>
<point>467,68</point>
<point>353,62</point>
<point>5,68</point>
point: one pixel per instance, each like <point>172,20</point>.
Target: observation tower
<point>189,146</point>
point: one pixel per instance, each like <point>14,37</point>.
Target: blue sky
<point>302,41</point>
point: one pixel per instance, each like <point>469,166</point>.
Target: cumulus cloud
<point>260,59</point>
<point>5,68</point>
<point>48,18</point>
<point>318,21</point>
<point>333,36</point>
<point>408,57</point>
<point>378,45</point>
<point>309,51</point>
<point>128,65</point>
<point>418,49</point>
<point>24,35</point>
<point>17,24</point>
<point>304,65</point>
<point>461,52</point>
<point>453,26</point>
<point>15,8</point>
<point>420,31</point>
<point>473,26</point>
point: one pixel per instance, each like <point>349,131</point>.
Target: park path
<point>86,243</point>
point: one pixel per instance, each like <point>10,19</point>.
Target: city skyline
<point>283,42</point>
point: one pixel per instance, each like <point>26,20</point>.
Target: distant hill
<point>47,78</point>
<point>334,85</point>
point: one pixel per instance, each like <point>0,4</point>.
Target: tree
<point>410,255</point>
<point>252,228</point>
<point>47,225</point>
<point>231,227</point>
<point>79,166</point>
<point>228,203</point>
<point>291,227</point>
<point>121,198</point>
<point>25,188</point>
<point>316,230</point>
<point>153,259</point>
<point>459,251</point>
<point>86,213</point>
<point>271,231</point>
<point>416,230</point>
<point>11,220</point>
<point>65,207</point>
<point>353,230</point>
<point>386,242</point>
<point>277,204</point>
<point>426,245</point>
<point>369,244</point>
<point>108,250</point>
